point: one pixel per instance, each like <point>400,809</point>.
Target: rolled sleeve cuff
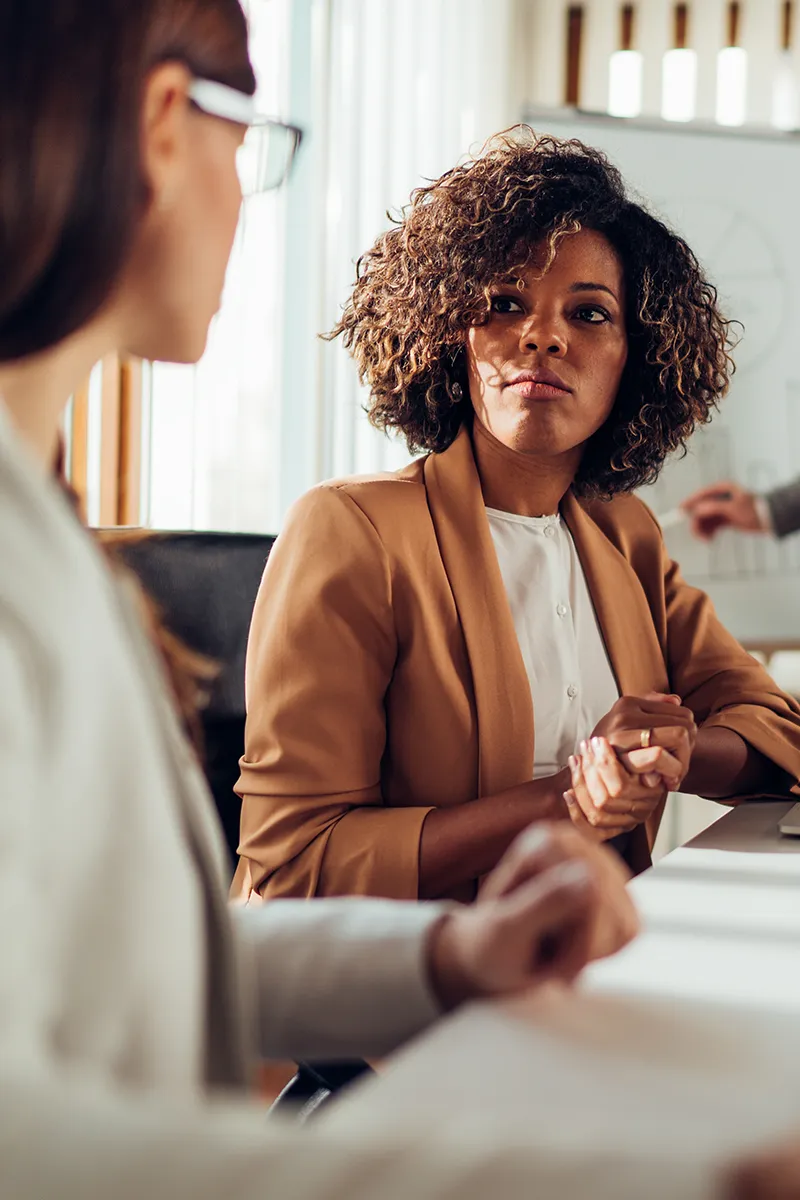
<point>764,514</point>
<point>762,730</point>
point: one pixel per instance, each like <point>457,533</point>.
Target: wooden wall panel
<point>117,474</point>
<point>79,446</point>
<point>129,498</point>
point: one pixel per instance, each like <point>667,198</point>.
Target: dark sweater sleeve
<point>784,507</point>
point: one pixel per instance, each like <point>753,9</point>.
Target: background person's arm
<point>783,508</point>
<point>726,505</point>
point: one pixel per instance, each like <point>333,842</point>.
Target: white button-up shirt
<point>572,683</point>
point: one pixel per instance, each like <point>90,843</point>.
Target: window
<point>271,409</point>
<point>625,71</point>
<point>785,108</point>
<point>679,72</point>
<point>211,431</point>
<point>732,75</point>
<point>102,443</point>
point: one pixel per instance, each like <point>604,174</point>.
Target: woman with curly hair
<point>495,634</point>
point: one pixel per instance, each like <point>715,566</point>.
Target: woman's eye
<point>505,304</point>
<point>592,314</point>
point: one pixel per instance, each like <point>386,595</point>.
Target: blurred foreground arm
<point>358,977</point>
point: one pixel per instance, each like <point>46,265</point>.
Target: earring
<point>456,393</point>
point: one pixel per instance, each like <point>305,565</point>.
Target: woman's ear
<point>165,110</point>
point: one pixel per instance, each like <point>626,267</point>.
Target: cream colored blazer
<point>131,994</point>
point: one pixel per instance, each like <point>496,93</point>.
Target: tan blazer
<point>384,675</point>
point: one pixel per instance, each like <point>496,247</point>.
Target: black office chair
<point>205,585</point>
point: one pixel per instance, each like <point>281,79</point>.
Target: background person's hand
<point>774,1174</point>
<point>722,506</point>
<point>606,797</point>
<point>671,726</point>
<point>554,902</point>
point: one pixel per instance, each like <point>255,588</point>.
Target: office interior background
<point>390,94</point>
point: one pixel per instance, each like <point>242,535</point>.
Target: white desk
<point>721,919</point>
<point>675,1056</point>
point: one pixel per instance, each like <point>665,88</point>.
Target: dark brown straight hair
<point>72,79</point>
<point>72,76</point>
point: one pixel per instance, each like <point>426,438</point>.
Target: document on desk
<point>615,1098</point>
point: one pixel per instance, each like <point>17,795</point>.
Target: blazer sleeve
<point>784,508</point>
<point>723,684</point>
<point>320,658</point>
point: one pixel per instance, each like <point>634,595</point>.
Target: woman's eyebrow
<point>592,287</point>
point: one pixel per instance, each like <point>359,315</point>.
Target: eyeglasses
<point>265,157</point>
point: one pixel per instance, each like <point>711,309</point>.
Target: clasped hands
<point>640,751</point>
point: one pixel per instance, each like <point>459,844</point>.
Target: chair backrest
<point>205,585</point>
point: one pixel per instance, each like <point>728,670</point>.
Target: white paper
<point>625,1098</point>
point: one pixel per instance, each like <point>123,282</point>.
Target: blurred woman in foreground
<point>133,1004</point>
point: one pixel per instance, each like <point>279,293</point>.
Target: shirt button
<point>562,610</point>
<point>549,531</point>
<point>572,691</point>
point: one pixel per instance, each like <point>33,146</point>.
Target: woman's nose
<point>544,338</point>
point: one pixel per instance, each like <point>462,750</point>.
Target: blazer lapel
<point>620,603</point>
<point>625,620</point>
<point>502,693</point>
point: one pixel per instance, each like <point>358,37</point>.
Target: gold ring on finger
<point>645,738</point>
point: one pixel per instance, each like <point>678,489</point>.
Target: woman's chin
<point>183,346</point>
<point>542,434</point>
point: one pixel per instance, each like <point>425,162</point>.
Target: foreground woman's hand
<point>772,1175</point>
<point>555,902</point>
<point>608,797</point>
<point>660,717</point>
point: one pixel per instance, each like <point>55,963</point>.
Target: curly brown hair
<point>427,280</point>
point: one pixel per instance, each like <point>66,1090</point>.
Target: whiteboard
<point>735,197</point>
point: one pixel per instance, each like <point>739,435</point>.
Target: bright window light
<point>467,127</point>
<point>94,448</point>
<point>784,95</point>
<point>679,85</point>
<point>731,86</point>
<point>625,83</point>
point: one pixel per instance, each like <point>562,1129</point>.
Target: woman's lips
<point>531,389</point>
